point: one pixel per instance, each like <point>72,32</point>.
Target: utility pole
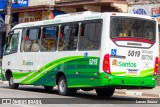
<point>9,16</point>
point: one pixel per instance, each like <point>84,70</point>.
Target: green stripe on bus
<point>50,66</point>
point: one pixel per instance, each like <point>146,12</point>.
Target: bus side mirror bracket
<point>11,32</point>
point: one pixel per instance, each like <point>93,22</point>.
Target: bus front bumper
<point>107,80</point>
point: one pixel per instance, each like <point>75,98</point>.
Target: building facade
<point>3,7</point>
<point>37,10</point>
<point>70,6</point>
<point>25,11</point>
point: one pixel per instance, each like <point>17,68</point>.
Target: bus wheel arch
<point>8,74</point>
<point>9,78</point>
<point>61,81</point>
<point>105,92</point>
<point>58,75</point>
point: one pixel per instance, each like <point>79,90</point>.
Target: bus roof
<point>78,16</point>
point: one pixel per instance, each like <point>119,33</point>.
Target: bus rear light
<point>155,67</point>
<point>106,64</point>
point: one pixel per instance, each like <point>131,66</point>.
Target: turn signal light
<point>106,64</point>
<point>155,67</point>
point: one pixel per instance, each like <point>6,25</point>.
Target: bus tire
<point>12,85</point>
<point>62,87</point>
<point>48,88</point>
<point>105,92</point>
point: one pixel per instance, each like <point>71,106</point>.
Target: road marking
<point>23,105</point>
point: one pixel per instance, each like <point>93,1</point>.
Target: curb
<point>5,82</point>
<point>132,93</point>
<point>1,82</point>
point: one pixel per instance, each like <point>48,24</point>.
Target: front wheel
<point>12,85</point>
<point>62,87</point>
<point>105,92</point>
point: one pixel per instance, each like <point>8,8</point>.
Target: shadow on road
<point>81,97</point>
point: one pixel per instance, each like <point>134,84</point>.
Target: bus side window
<point>27,42</point>
<point>12,43</point>
<point>7,45</point>
<point>49,38</point>
<point>90,36</point>
<point>23,40</point>
<point>68,37</point>
<point>32,40</point>
<point>61,41</point>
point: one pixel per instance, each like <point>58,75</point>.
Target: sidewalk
<point>155,92</point>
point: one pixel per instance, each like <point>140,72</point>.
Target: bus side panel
<point>10,59</point>
<point>80,71</point>
<point>32,71</point>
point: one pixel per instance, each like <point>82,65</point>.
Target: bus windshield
<point>126,27</point>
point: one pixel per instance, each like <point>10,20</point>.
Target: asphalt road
<point>36,96</point>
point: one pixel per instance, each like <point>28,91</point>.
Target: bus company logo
<point>123,64</point>
<point>27,63</point>
<point>114,62</point>
<point>135,44</point>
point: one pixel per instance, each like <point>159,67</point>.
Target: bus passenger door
<point>11,51</point>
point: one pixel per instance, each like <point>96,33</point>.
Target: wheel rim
<point>11,81</point>
<point>62,86</point>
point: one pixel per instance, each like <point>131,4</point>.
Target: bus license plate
<point>132,71</point>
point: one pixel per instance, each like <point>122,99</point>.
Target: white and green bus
<point>86,50</point>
